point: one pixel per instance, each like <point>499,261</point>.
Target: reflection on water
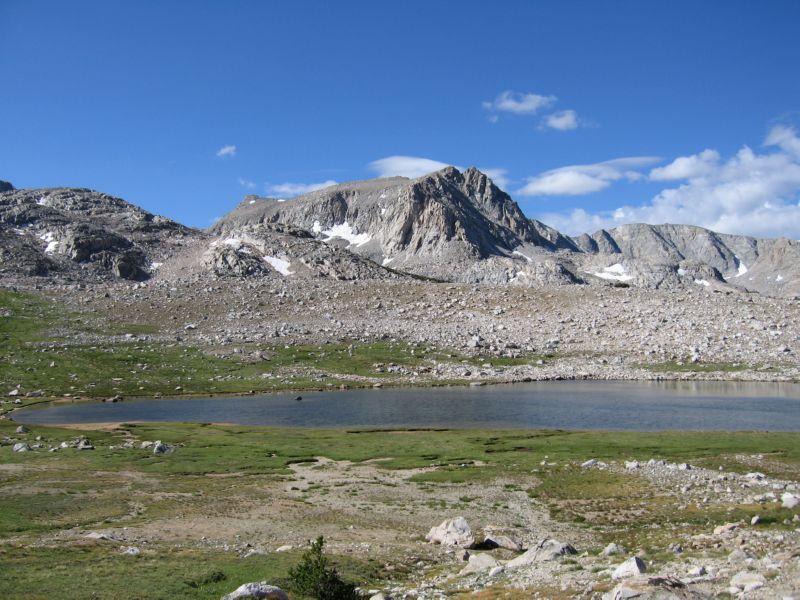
<point>637,406</point>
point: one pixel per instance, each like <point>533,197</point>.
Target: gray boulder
<point>259,589</point>
<point>630,568</point>
<point>452,532</point>
<point>21,447</point>
<point>654,588</point>
<point>545,550</point>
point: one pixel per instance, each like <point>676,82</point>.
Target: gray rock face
<point>669,255</point>
<point>448,225</point>
<point>82,234</point>
<point>654,588</point>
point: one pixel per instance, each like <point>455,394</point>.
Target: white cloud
<point>563,120</point>
<point>687,167</point>
<point>405,166</point>
<point>226,152</point>
<point>247,184</point>
<point>577,180</point>
<point>284,190</point>
<point>498,176</point>
<point>518,103</point>
<point>749,193</point>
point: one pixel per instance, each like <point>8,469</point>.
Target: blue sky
<point>588,113</point>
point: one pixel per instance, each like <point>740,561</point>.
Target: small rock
<point>131,551</point>
<point>260,589</point>
<point>697,571</point>
<point>283,548</point>
<point>21,447</point>
<point>630,568</point>
<point>22,429</point>
<point>612,549</point>
<point>748,581</point>
<point>160,447</point>
<point>755,520</point>
<point>789,500</point>
<point>727,528</point>
<point>589,463</point>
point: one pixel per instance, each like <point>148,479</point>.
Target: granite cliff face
<point>448,226</point>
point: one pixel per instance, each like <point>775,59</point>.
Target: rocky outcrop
<point>83,234</point>
<point>672,255</point>
<point>452,532</point>
<point>5,186</point>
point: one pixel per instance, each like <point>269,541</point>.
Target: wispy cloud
<point>405,166</point>
<point>529,104</point>
<point>227,152</point>
<point>498,176</point>
<point>247,184</point>
<point>562,121</point>
<point>519,103</point>
<point>577,180</point>
<point>749,193</point>
<point>287,190</point>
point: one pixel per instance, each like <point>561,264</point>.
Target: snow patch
<point>155,265</point>
<point>252,202</point>
<point>42,201</point>
<point>702,282</point>
<point>615,272</point>
<point>235,242</point>
<point>345,231</point>
<point>681,272</point>
<point>779,278</point>
<point>280,265</point>
<point>383,211</point>
<point>52,243</point>
<point>386,261</point>
<point>742,267</point>
<point>316,227</point>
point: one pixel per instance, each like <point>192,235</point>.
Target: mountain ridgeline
<point>450,226</point>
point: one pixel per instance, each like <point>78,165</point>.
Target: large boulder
<point>545,550</point>
<point>257,589</point>
<point>630,568</point>
<point>452,532</point>
<point>654,588</point>
<point>479,562</point>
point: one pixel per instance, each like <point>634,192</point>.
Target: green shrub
<point>313,577</point>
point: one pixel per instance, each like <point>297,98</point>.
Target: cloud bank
<point>751,193</point>
<point>577,180</point>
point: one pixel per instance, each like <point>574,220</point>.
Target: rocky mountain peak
<point>6,186</point>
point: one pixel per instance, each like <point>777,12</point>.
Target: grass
<point>43,347</point>
<point>224,471</point>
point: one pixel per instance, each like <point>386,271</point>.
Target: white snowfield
<point>344,231</point>
<point>280,265</point>
<point>702,282</point>
<point>616,272</point>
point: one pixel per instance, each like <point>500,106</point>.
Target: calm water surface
<point>634,406</point>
